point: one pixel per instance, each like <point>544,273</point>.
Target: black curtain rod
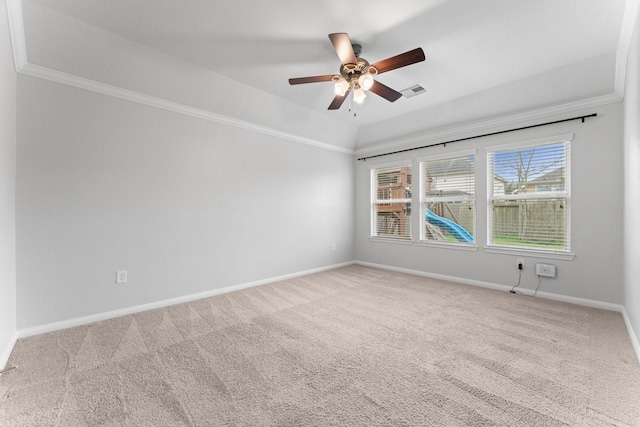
<point>481,136</point>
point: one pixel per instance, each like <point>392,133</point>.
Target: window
<point>532,210</point>
<point>391,201</point>
<point>447,198</point>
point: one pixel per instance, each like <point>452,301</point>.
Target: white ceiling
<point>471,46</point>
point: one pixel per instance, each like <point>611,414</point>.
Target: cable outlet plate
<point>546,270</point>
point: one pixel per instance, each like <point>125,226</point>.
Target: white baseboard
<point>22,333</point>
<point>70,323</point>
<point>547,295</point>
<point>632,334</point>
<point>4,358</point>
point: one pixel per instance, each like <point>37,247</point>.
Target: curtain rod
<point>481,136</point>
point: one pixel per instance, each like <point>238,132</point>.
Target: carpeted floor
<point>354,346</point>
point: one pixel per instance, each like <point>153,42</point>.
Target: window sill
<point>454,246</point>
<point>529,252</point>
<point>390,240</point>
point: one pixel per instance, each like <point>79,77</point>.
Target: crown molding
<point>16,33</point>
<point>465,130</point>
<point>18,41</point>
<point>19,47</point>
<point>130,95</point>
<point>629,19</point>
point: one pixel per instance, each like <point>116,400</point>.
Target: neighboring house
<point>455,177</point>
<point>450,175</point>
<point>499,185</point>
<point>551,181</point>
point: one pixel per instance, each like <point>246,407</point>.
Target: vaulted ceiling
<point>232,58</point>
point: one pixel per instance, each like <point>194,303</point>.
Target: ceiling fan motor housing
<point>352,72</point>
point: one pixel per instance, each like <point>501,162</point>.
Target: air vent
<point>413,90</point>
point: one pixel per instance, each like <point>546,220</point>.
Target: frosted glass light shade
<point>359,95</point>
<point>365,81</point>
<point>341,87</point>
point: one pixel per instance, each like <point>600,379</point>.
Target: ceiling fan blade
<point>385,91</point>
<point>402,60</point>
<point>342,45</point>
<point>338,100</point>
<point>312,79</point>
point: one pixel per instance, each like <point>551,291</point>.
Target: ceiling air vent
<point>413,90</point>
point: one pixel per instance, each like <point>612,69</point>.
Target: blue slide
<point>456,230</point>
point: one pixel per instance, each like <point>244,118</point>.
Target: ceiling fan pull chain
<point>355,104</point>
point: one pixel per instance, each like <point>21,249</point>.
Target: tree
<point>525,165</point>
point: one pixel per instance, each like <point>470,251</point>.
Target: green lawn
<point>512,240</point>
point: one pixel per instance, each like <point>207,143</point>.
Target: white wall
<point>552,88</point>
<point>101,56</point>
<point>184,205</point>
<point>632,183</point>
<point>597,213</point>
<point>7,191</point>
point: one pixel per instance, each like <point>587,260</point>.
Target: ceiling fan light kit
<point>357,75</point>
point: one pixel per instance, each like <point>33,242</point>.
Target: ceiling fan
<point>357,75</point>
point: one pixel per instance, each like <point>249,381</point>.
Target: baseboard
<point>70,323</point>
<point>632,336</point>
<point>4,358</point>
<point>22,333</point>
<point>547,295</point>
<point>464,281</point>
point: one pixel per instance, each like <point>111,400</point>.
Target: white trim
<point>4,358</point>
<point>553,139</point>
<point>449,245</point>
<point>621,74</point>
<point>629,18</point>
<point>632,336</point>
<point>546,295</point>
<point>449,155</point>
<point>18,42</point>
<point>130,95</point>
<point>505,250</point>
<point>436,276</point>
<point>23,333</point>
<point>16,32</point>
<point>405,162</point>
<point>466,130</point>
<point>79,321</point>
<point>394,240</point>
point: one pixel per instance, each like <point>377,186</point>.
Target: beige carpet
<point>354,346</point>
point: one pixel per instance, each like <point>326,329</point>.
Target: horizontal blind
<point>448,199</point>
<point>529,197</point>
<point>391,201</point>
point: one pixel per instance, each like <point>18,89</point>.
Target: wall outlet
<point>546,270</point>
<point>121,276</point>
<point>333,247</point>
<point>520,262</point>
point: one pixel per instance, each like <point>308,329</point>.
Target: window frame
<point>424,199</point>
<point>374,201</point>
<point>548,195</point>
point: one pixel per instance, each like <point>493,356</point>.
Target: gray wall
<point>184,205</point>
<point>596,273</point>
<point>632,183</point>
<point>7,190</point>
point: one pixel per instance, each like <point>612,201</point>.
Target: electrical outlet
<point>333,247</point>
<point>121,276</point>
<point>520,263</point>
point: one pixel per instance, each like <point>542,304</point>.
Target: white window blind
<point>529,195</point>
<point>447,198</point>
<point>391,201</point>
